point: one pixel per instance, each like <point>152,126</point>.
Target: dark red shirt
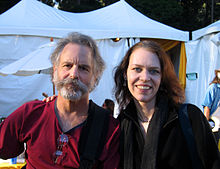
<point>35,123</point>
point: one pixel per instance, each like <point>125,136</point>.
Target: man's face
<point>73,76</point>
<point>218,74</point>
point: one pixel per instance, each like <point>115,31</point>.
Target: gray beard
<point>71,89</point>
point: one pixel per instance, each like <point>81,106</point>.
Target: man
<point>212,97</point>
<point>55,132</point>
<point>211,103</point>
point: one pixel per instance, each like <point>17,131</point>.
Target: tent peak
<point>34,18</point>
<point>214,27</point>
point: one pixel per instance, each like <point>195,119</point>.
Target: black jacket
<point>172,151</point>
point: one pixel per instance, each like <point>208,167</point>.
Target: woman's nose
<point>145,76</point>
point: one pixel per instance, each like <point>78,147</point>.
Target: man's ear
<point>54,68</point>
<point>93,83</point>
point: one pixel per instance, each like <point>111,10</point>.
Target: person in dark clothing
<point>109,105</point>
<point>149,96</point>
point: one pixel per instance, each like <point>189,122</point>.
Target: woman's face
<point>144,75</point>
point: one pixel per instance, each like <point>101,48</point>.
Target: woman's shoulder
<point>195,114</point>
<point>193,109</point>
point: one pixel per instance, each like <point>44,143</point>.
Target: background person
<point>109,105</point>
<point>212,99</point>
<point>149,96</point>
<point>52,131</point>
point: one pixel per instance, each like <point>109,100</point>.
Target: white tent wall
<point>14,47</point>
<point>203,57</point>
<point>16,90</point>
<point>112,53</point>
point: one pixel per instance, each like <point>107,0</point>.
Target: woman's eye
<point>154,71</point>
<point>137,69</point>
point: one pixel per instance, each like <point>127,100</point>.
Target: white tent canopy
<point>203,57</point>
<point>31,17</point>
<point>30,24</point>
<point>212,28</point>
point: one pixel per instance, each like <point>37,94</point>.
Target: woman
<point>149,96</point>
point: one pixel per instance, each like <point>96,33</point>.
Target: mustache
<point>75,83</point>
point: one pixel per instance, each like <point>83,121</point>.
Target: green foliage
<point>108,2</point>
<point>217,12</point>
<point>79,5</point>
<point>6,4</point>
<point>186,15</point>
<point>193,14</point>
<point>166,11</point>
<point>48,2</point>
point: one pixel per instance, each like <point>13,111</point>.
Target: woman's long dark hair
<point>169,86</point>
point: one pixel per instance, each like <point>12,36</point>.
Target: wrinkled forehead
<point>75,54</point>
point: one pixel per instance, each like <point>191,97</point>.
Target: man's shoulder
<point>214,85</point>
<point>212,88</point>
<point>34,106</point>
<point>37,103</point>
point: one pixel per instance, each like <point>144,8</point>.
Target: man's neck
<point>71,113</point>
<point>67,106</point>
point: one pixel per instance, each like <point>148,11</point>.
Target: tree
<point>217,10</point>
<point>48,2</point>
<point>166,11</point>
<point>79,5</point>
<point>5,5</point>
<point>108,2</point>
<point>192,14</point>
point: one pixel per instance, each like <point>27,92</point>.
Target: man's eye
<point>84,68</point>
<point>67,66</point>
